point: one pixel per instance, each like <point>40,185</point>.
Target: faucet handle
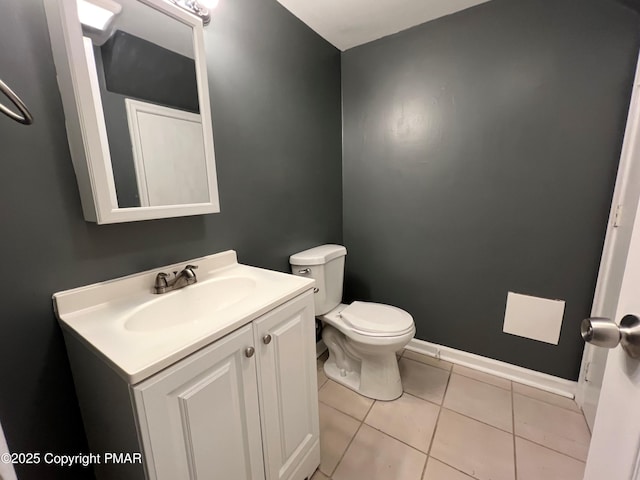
<point>191,267</point>
<point>161,283</point>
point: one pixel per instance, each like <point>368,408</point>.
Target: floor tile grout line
<point>402,441</point>
<point>436,429</point>
<point>351,441</point>
<point>348,414</point>
<point>513,427</point>
<point>433,437</point>
<point>395,438</point>
<point>511,382</point>
<point>552,449</point>
<point>478,380</point>
<point>455,468</point>
<point>442,407</point>
<point>476,420</point>
<point>424,399</point>
<point>323,383</point>
<point>448,369</point>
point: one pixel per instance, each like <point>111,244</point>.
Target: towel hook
<point>26,118</point>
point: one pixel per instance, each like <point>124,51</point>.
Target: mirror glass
<point>145,64</point>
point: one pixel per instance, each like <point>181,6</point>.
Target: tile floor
<point>452,423</point>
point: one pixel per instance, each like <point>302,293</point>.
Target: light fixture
<point>208,4</point>
<point>201,8</point>
<point>97,14</point>
<point>96,17</point>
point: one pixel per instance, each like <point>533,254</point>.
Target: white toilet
<point>363,337</point>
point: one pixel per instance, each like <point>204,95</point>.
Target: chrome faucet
<point>164,283</point>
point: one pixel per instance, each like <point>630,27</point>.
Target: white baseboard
<point>549,383</point>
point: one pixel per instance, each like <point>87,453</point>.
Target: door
<point>615,444</point>
<point>200,418</point>
<point>614,254</point>
<point>285,342</point>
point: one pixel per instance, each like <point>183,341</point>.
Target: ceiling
<point>348,23</point>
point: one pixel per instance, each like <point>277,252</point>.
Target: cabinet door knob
<point>266,339</point>
<point>249,352</point>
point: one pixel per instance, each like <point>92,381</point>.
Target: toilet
<point>363,337</point>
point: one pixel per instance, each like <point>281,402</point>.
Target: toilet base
<point>370,371</point>
<point>350,380</point>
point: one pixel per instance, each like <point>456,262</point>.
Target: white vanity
<point>216,380</point>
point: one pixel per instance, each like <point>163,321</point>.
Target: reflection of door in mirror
<point>168,154</point>
<point>147,77</point>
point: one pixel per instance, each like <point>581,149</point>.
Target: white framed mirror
<point>133,80</point>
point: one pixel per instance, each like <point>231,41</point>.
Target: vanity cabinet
<point>216,381</point>
<point>200,418</point>
<point>245,407</point>
<point>288,391</point>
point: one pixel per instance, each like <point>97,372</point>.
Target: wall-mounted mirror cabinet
<point>133,79</point>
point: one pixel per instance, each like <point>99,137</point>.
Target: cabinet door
<point>200,418</point>
<point>285,342</point>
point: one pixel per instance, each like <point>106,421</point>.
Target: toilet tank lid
<point>318,255</point>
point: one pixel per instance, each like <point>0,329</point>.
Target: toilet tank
<point>325,264</point>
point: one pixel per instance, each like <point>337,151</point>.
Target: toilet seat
<point>376,319</point>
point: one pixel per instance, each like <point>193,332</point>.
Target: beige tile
<point>322,377</point>
<point>429,360</point>
<point>336,431</point>
<point>535,462</point>
<point>423,381</point>
<point>474,448</point>
<point>552,426</point>
<point>345,400</point>
<point>480,400</point>
<point>375,456</point>
<point>319,476</point>
<point>483,377</point>
<point>408,418</point>
<point>548,397</point>
<point>436,470</point>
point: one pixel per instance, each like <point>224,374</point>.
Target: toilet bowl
<point>363,337</point>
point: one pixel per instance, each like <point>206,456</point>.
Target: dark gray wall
<point>275,94</point>
<point>480,152</point>
<point>119,138</point>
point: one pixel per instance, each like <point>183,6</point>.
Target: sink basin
<point>195,303</point>
<point>140,333</point>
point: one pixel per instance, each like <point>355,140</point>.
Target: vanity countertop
<point>140,333</point>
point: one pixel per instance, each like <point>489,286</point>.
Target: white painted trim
<point>532,378</point>
<point>620,216</point>
<point>96,100</point>
<point>85,121</point>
